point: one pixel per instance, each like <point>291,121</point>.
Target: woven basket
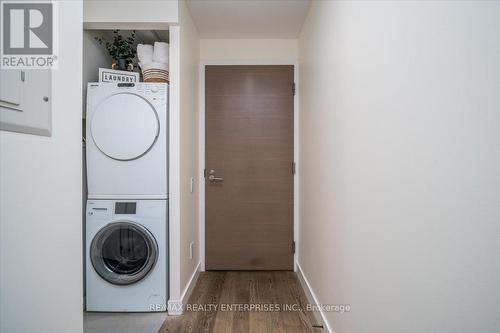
<point>155,75</point>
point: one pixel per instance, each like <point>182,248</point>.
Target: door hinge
<point>293,247</point>
<point>204,173</point>
<point>294,168</point>
<point>293,89</point>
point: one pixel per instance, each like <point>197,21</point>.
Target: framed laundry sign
<point>113,75</point>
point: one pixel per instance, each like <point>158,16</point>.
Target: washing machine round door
<point>124,126</point>
<point>123,252</point>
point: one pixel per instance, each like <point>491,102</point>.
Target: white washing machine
<point>126,255</point>
<point>127,140</point>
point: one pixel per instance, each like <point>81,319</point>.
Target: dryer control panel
<point>155,91</point>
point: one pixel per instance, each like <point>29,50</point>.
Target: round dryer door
<point>123,253</point>
<point>125,126</point>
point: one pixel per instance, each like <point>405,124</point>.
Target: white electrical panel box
<point>25,101</point>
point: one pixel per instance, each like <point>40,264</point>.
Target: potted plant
<point>121,49</point>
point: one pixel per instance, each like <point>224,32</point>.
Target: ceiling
<point>248,18</point>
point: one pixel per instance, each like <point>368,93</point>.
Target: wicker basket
<point>155,75</point>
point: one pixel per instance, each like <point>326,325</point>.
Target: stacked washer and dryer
<point>127,208</point>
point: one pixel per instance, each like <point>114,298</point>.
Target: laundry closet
<point>125,151</point>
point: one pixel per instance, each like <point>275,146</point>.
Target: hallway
<point>282,300</point>
<point>250,166</point>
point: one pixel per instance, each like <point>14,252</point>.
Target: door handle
<point>212,178</point>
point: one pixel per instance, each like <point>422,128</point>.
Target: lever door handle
<point>214,179</point>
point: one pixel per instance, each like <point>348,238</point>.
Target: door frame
<point>201,150</point>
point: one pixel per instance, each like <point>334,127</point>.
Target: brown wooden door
<point>249,144</point>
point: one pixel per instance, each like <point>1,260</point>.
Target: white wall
<point>400,160</point>
<point>95,56</point>
<point>184,60</point>
<point>237,50</point>
<point>174,200</point>
<point>118,14</point>
<point>40,205</point>
<point>189,62</point>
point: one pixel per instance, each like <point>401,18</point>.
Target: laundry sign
<point>113,75</point>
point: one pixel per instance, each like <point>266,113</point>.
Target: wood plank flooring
<point>225,294</point>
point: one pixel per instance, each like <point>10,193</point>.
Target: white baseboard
<point>176,307</point>
<point>311,297</point>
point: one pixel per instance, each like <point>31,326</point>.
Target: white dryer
<point>126,256</point>
<point>127,140</point>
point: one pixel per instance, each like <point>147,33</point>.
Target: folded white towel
<point>145,53</point>
<point>160,52</point>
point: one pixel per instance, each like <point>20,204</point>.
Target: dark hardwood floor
<point>218,291</point>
